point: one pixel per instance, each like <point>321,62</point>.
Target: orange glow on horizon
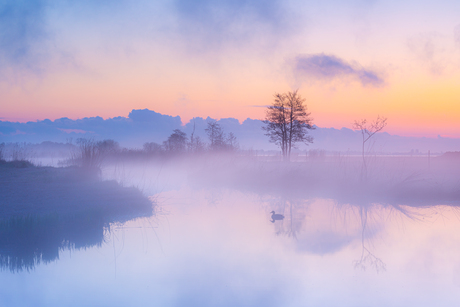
<point>415,106</point>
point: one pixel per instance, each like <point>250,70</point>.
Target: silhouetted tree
<point>231,142</point>
<point>367,131</point>
<point>177,141</point>
<point>108,146</point>
<point>152,147</point>
<point>215,135</point>
<point>219,141</point>
<point>195,144</point>
<point>2,146</point>
<point>287,122</point>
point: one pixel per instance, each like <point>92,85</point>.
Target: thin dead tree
<point>367,131</point>
<point>195,145</point>
<point>192,138</point>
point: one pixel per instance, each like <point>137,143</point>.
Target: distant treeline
<point>90,153</point>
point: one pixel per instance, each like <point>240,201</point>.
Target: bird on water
<point>276,217</point>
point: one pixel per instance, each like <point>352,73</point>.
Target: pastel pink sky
<point>350,60</point>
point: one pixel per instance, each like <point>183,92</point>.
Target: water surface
<point>218,247</point>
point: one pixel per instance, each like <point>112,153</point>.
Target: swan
<point>276,217</point>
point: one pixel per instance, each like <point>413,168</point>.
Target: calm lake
<point>220,247</point>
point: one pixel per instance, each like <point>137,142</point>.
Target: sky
<point>227,58</point>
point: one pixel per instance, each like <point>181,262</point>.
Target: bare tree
<point>231,142</point>
<point>152,147</point>
<point>219,140</point>
<point>367,131</point>
<point>195,145</point>
<point>176,142</point>
<point>215,135</point>
<point>287,122</point>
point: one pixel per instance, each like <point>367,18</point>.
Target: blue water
<point>220,248</point>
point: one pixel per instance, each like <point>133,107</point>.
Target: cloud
<point>33,33</point>
<point>210,25</point>
<point>140,126</point>
<point>429,51</point>
<point>457,36</point>
<point>23,34</point>
<point>322,67</point>
<point>42,36</point>
<point>75,131</point>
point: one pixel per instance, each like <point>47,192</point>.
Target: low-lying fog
<point>386,180</point>
<point>381,234</point>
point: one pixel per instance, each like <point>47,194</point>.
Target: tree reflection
<point>297,214</point>
<point>44,210</point>
<point>294,212</point>
<point>352,223</point>
<point>367,257</point>
<point>31,240</point>
<point>27,241</point>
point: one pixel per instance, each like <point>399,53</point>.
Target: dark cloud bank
<point>148,126</point>
<point>322,67</point>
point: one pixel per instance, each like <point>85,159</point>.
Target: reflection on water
<point>26,241</point>
<point>323,227</point>
<point>326,252</point>
<point>47,210</point>
<point>219,248</point>
<point>31,240</point>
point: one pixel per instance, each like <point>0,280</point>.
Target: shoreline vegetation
<point>27,189</point>
<point>45,209</point>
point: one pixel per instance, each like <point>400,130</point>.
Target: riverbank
<point>30,190</point>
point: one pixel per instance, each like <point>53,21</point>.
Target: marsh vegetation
<point>44,210</point>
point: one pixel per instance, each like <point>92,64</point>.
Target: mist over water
<point>384,237</point>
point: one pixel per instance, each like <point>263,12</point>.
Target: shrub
<point>91,154</point>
